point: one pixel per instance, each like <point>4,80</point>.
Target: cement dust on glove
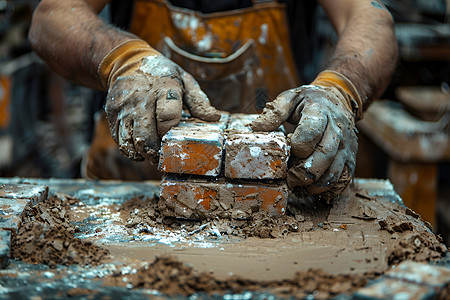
<point>146,95</point>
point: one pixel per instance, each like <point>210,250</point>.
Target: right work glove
<point>146,93</point>
<point>324,143</point>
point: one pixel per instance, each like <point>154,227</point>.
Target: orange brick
<point>199,199</point>
<point>193,148</point>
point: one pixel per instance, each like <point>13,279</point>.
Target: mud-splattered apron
<point>241,59</point>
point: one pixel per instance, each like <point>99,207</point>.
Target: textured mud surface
<point>316,248</point>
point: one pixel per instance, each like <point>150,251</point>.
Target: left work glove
<point>324,143</point>
<point>146,94</point>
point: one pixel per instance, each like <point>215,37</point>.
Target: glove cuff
<point>330,78</point>
<point>122,58</point>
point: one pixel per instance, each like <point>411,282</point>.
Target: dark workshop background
<point>46,122</point>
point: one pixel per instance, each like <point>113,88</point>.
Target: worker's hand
<point>324,143</point>
<point>146,93</point>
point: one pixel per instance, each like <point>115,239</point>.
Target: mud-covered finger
<point>310,130</point>
<point>312,168</point>
<point>330,177</point>
<point>340,186</point>
<point>325,152</point>
<point>169,106</point>
<point>352,142</point>
<point>125,138</point>
<point>339,174</point>
<point>298,177</point>
<point>276,112</point>
<point>197,101</point>
<point>146,139</point>
<point>112,110</point>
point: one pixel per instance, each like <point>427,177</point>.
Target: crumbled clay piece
<point>45,235</point>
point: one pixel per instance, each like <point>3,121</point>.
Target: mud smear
<point>172,277</point>
<point>362,232</point>
<point>46,236</point>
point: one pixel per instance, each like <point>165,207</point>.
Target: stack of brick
<point>222,169</point>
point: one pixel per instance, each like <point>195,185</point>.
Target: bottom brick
<point>200,199</point>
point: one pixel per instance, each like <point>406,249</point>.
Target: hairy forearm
<point>366,52</point>
<point>70,37</point>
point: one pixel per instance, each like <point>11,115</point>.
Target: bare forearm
<point>366,52</point>
<point>70,37</point>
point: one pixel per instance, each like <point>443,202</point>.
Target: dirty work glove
<point>146,93</point>
<point>324,143</point>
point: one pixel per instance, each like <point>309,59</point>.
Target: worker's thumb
<point>196,100</point>
<point>276,112</point>
<point>169,106</point>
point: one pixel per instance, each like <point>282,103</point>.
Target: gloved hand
<point>324,143</point>
<point>146,93</point>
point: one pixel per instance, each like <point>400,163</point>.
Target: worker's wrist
<point>330,78</point>
<point>123,54</point>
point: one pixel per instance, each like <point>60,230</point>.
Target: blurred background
<point>46,123</point>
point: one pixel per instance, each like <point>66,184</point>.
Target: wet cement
<point>350,240</point>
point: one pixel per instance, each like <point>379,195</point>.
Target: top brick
<point>256,155</point>
<point>194,148</point>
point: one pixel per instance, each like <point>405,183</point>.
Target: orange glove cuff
<point>329,78</point>
<point>122,58</point>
